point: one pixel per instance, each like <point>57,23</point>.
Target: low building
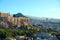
<point>20,37</point>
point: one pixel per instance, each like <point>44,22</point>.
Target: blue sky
<point>38,8</point>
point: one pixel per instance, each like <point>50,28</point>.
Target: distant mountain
<point>39,18</point>
<point>42,19</point>
<point>18,15</point>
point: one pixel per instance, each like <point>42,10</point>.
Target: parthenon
<point>14,20</point>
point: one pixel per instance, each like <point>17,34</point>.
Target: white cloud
<point>53,9</point>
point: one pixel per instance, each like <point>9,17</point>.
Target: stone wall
<point>4,14</point>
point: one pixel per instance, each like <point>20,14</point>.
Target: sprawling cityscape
<point>20,27</point>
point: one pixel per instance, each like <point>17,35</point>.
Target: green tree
<point>7,39</point>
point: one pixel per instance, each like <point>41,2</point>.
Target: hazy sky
<point>38,8</point>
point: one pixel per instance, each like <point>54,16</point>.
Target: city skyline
<point>38,8</point>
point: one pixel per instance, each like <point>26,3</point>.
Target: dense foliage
<point>24,30</point>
